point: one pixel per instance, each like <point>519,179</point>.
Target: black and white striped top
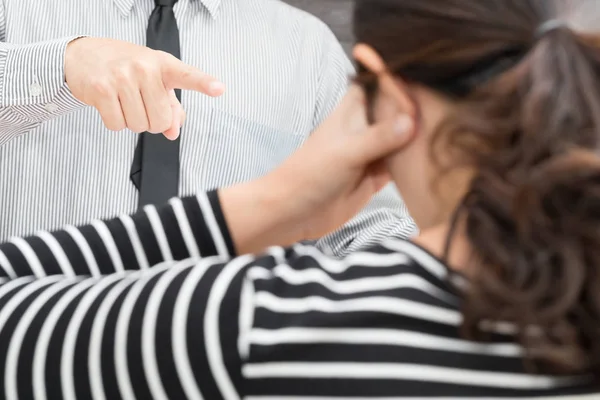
<point>83,315</point>
<point>284,72</point>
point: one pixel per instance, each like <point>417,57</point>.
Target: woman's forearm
<point>259,215</point>
<point>81,335</point>
<point>183,228</point>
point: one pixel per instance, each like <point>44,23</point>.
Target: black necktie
<point>155,168</point>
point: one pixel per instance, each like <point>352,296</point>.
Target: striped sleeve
<point>176,231</point>
<point>169,332</point>
<point>32,84</point>
<point>166,332</point>
<point>291,324</point>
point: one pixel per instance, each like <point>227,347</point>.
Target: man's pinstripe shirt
<point>284,72</point>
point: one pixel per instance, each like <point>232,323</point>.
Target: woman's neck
<point>434,240</point>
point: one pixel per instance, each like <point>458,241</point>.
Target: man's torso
<point>72,169</point>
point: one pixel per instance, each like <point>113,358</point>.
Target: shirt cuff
<point>32,79</point>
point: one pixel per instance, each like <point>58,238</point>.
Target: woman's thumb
<point>383,139</point>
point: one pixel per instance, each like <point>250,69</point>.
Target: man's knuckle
<point>113,125</point>
<point>186,74</point>
<point>142,69</point>
<point>160,126</point>
<point>138,127</point>
<point>161,121</point>
<point>164,57</point>
<point>102,87</point>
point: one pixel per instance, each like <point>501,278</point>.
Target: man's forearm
<point>32,86</point>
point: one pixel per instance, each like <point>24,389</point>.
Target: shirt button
<point>51,107</point>
<point>35,89</point>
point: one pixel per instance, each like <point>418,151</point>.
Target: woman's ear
<point>369,58</point>
<point>393,88</point>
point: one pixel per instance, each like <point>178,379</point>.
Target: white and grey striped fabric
<point>337,14</point>
<point>291,324</point>
<point>284,72</point>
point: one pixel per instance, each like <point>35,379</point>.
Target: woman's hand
<point>321,186</point>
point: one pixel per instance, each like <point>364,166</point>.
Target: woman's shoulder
<point>395,275</point>
<point>389,257</point>
<point>390,307</point>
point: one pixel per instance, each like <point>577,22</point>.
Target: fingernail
<point>403,124</point>
<point>216,87</point>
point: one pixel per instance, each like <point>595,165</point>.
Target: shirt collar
<point>212,6</point>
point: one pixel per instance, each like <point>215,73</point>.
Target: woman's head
<point>451,58</point>
<point>507,112</point>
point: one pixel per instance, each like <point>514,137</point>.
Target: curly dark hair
<point>529,126</point>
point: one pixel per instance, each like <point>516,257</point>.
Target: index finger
<point>179,75</point>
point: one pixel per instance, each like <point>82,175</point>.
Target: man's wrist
<point>71,54</point>
<point>32,72</point>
